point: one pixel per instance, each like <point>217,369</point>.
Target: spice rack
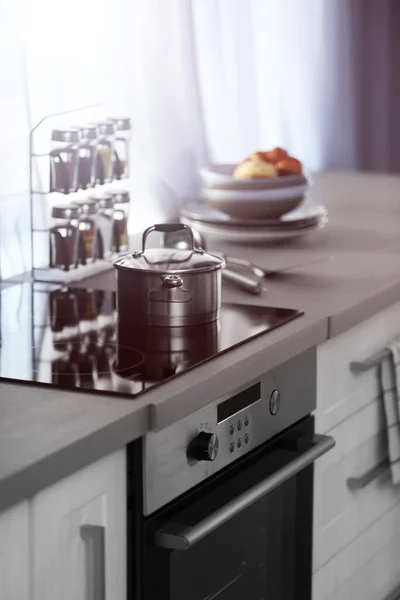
<point>46,193</point>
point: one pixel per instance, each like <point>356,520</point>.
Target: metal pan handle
<point>179,537</point>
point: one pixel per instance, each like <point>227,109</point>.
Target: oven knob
<point>204,446</point>
<point>274,402</point>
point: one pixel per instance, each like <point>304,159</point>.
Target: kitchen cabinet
<point>354,530</point>
<point>79,534</point>
<point>14,553</point>
<point>367,567</point>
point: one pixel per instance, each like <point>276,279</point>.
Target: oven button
<point>232,429</point>
<point>231,447</point>
<point>204,446</point>
<point>246,438</point>
<point>246,421</point>
<point>239,425</point>
<point>274,402</point>
<point>239,442</point>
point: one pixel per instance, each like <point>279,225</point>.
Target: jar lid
<point>106,127</point>
<point>106,201</point>
<point>89,132</point>
<point>65,135</point>
<point>121,197</point>
<point>170,260</point>
<point>122,123</point>
<point>87,206</point>
<point>65,211</point>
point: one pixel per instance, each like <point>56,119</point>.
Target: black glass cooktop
<point>72,338</point>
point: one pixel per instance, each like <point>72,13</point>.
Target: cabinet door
<point>341,393</point>
<point>357,557</point>
<point>79,534</point>
<point>14,553</point>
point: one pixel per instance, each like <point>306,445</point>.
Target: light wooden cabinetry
<point>14,553</point>
<point>355,530</point>
<point>69,541</point>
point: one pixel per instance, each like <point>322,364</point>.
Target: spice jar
<point>87,156</point>
<point>64,237</point>
<point>120,218</point>
<point>64,160</point>
<point>88,230</point>
<point>121,147</point>
<point>64,373</point>
<point>105,150</point>
<point>105,223</point>
<point>63,307</point>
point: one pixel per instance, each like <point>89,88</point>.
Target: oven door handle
<point>179,537</point>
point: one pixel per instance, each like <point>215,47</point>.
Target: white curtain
<point>203,80</point>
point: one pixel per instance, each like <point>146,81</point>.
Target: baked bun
<point>289,166</point>
<point>272,156</point>
<point>254,169</point>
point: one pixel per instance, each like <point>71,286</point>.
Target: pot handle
<point>167,228</point>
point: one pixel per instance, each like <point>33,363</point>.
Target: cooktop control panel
<point>186,453</point>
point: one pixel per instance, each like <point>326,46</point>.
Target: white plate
<point>220,176</point>
<point>251,235</point>
<point>308,213</point>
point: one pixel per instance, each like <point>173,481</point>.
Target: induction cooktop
<point>72,338</point>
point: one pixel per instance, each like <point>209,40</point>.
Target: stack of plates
<point>308,217</point>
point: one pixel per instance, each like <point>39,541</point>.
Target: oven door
<point>247,535</point>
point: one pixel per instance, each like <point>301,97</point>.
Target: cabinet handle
<point>371,362</point>
<point>94,538</point>
<point>358,483</point>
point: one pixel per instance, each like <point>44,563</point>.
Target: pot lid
<point>170,260</point>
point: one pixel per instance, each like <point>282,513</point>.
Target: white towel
<point>389,375</point>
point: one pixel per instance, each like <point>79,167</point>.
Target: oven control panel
<point>193,449</point>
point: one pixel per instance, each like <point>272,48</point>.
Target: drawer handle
<point>371,362</point>
<point>358,483</point>
<point>94,538</point>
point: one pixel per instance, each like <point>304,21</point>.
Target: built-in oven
<point>225,506</point>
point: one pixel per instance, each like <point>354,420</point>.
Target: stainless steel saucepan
<point>169,286</point>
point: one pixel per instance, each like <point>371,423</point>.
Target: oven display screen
<point>238,402</point>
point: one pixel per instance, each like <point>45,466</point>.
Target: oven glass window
<point>249,558</point>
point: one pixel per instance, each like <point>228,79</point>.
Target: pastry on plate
<point>254,169</point>
<point>271,156</point>
<point>289,166</point>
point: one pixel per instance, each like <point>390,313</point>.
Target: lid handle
<point>167,228</point>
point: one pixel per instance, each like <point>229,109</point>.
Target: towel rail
<point>371,362</point>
